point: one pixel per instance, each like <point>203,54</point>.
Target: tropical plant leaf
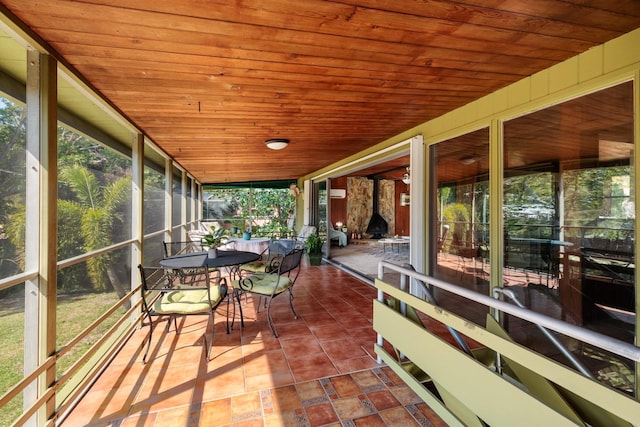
<point>83,183</point>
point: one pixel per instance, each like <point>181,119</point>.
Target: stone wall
<point>360,203</point>
<point>386,204</point>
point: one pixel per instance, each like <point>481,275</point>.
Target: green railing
<point>501,382</point>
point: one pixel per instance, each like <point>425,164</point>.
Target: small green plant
<point>215,239</point>
<point>313,244</point>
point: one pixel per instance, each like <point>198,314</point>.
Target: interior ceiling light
<point>406,178</point>
<point>277,143</point>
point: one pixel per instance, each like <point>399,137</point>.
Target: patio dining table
<point>229,258</point>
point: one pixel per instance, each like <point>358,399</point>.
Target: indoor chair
<point>338,235</point>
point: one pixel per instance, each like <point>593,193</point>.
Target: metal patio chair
<point>271,284</point>
<point>162,297</point>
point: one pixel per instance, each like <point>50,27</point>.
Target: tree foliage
<point>266,209</point>
<point>98,209</point>
<point>12,190</point>
<point>12,151</point>
<point>91,201</point>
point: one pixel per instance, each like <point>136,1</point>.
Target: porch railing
<point>470,389</point>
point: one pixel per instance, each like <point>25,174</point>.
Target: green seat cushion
<point>264,284</point>
<point>183,301</point>
<point>254,267</point>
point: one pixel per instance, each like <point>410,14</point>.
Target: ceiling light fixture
<point>468,160</point>
<point>277,143</point>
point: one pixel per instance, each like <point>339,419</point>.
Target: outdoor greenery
<point>92,204</point>
<point>11,363</point>
<point>101,220</point>
<point>74,312</point>
<point>313,244</point>
<point>214,239</point>
<point>596,205</point>
<point>263,211</point>
<point>12,173</point>
<point>529,205</point>
<point>457,216</point>
<point>93,213</point>
<point>599,201</point>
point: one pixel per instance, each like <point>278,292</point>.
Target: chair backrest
<point>181,247</point>
<point>196,235</point>
<point>279,247</point>
<point>156,280</point>
<point>290,264</point>
<point>306,231</point>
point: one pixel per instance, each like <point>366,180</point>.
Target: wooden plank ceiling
<point>210,80</point>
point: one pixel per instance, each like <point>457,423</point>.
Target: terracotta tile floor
<point>321,371</point>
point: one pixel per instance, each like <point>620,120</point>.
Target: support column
<point>137,209</point>
<point>41,230</point>
<point>635,160</point>
<point>168,200</point>
<point>496,202</point>
<point>183,206</point>
<point>419,209</point>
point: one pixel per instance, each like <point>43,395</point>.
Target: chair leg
<point>167,328</point>
<point>230,301</point>
<point>238,296</point>
<point>269,319</point>
<point>146,352</point>
<point>210,323</point>
<point>293,309</point>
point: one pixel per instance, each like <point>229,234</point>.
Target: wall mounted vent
<point>338,193</point>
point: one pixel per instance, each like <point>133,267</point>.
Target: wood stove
<point>377,224</point>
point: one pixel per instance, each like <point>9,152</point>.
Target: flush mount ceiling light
<point>468,160</point>
<point>277,143</point>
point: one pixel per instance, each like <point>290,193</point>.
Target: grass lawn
<point>75,312</point>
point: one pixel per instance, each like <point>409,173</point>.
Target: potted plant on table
<point>313,246</point>
<point>213,241</point>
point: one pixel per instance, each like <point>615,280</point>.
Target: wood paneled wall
<point>339,206</point>
<point>402,212</point>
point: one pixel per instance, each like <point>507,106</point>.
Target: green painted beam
<point>591,390</point>
<point>494,399</point>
